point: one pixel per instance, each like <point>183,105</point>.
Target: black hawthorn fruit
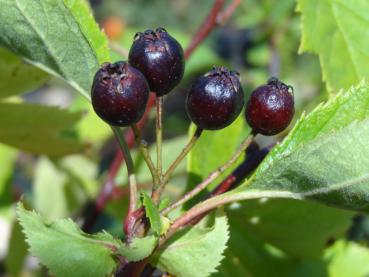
<point>159,57</point>
<point>119,94</point>
<point>270,108</point>
<point>215,99</point>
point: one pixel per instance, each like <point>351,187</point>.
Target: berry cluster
<point>120,91</point>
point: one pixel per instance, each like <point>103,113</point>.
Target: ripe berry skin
<point>119,94</point>
<point>160,58</point>
<point>270,108</point>
<point>215,99</point>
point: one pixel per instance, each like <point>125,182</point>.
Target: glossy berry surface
<point>270,108</point>
<point>119,94</point>
<point>215,99</point>
<point>159,57</point>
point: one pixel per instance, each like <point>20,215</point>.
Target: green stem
<point>159,134</point>
<point>182,155</point>
<point>211,177</point>
<point>146,155</point>
<point>130,168</point>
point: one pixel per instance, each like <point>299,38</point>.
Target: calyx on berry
<point>119,94</point>
<point>215,99</point>
<point>270,108</point>
<point>159,57</point>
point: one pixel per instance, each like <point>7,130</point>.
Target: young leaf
<point>139,248</point>
<point>60,37</point>
<point>38,129</point>
<point>65,249</point>
<point>194,252</point>
<point>152,213</point>
<point>16,76</point>
<point>337,31</point>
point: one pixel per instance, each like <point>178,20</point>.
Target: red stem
<point>206,27</point>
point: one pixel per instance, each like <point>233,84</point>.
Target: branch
<point>206,27</point>
<point>220,200</point>
<point>215,18</point>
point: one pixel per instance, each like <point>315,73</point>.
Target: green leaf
<point>38,129</point>
<point>322,158</point>
<point>139,248</point>
<point>196,251</point>
<point>16,76</point>
<point>213,149</point>
<point>65,249</point>
<point>48,189</point>
<point>60,37</point>
<point>332,169</point>
<point>299,228</point>
<point>152,213</point>
<point>336,30</point>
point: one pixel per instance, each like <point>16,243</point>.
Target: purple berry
<point>215,99</point>
<point>160,58</point>
<point>119,94</point>
<point>270,108</point>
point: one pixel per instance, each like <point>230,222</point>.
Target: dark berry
<point>119,94</point>
<point>159,57</point>
<point>270,108</point>
<point>215,99</point>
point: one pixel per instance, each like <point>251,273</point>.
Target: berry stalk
<point>211,177</point>
<point>157,193</point>
<point>159,137</point>
<point>146,155</point>
<point>130,169</point>
<point>183,154</point>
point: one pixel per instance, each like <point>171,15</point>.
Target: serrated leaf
<point>332,169</point>
<point>322,158</point>
<point>195,252</point>
<point>65,249</point>
<point>336,30</point>
<point>152,213</point>
<point>38,129</point>
<point>139,248</point>
<point>337,113</point>
<point>16,76</point>
<point>60,37</point>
